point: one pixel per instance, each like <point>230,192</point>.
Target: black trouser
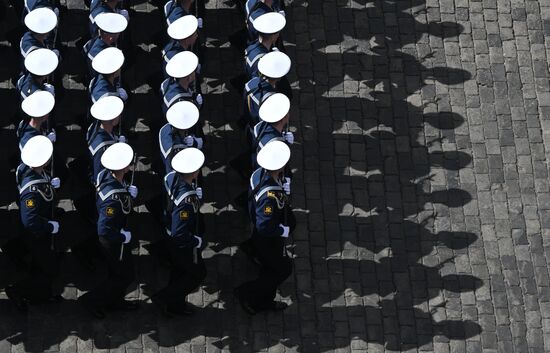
<point>275,267</point>
<point>186,274</point>
<point>43,269</point>
<point>120,274</point>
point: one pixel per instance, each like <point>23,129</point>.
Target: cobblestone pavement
<point>421,184</point>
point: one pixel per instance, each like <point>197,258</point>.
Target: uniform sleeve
<point>268,218</point>
<point>110,221</point>
<point>32,220</point>
<point>183,225</point>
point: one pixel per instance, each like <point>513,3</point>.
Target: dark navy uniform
<point>35,4</point>
<point>252,54</point>
<point>113,205</point>
<point>29,43</point>
<point>267,205</point>
<point>93,47</point>
<point>172,48</point>
<point>254,9</point>
<point>171,142</point>
<point>173,11</point>
<point>35,204</point>
<point>255,92</point>
<point>25,132</point>
<point>187,270</point>
<point>171,92</point>
<point>98,141</point>
<point>27,85</point>
<point>97,7</point>
<point>101,87</point>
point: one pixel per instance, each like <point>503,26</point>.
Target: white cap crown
<point>117,157</point>
<point>182,64</point>
<point>274,108</point>
<point>37,151</point>
<point>107,108</point>
<point>269,23</point>
<point>41,20</point>
<point>188,160</point>
<point>38,104</point>
<point>41,62</point>
<point>274,64</point>
<point>182,115</point>
<point>108,61</point>
<point>274,156</point>
<point>183,27</point>
<point>111,22</point>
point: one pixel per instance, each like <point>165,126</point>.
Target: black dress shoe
<point>17,299</point>
<point>125,305</point>
<point>247,307</point>
<point>93,310</point>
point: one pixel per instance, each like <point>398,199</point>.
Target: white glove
<point>275,49</point>
<point>199,192</point>
<point>56,183</point>
<point>198,70</point>
<point>200,242</point>
<point>55,226</point>
<point>286,186</point>
<point>125,14</point>
<point>127,236</point>
<point>122,94</point>
<point>56,11</point>
<point>188,140</point>
<point>56,53</point>
<point>282,12</point>
<point>122,139</point>
<point>286,231</point>
<point>52,136</point>
<point>200,142</point>
<point>289,137</point>
<point>199,99</point>
<point>133,190</point>
<point>49,88</point>
<point>199,20</point>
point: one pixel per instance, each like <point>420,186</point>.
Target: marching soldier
<point>184,233</point>
<point>40,22</point>
<point>101,134</point>
<point>38,107</point>
<point>39,63</point>
<point>111,25</point>
<point>181,85</point>
<point>36,195</point>
<point>98,7</point>
<point>257,8</point>
<point>175,9</point>
<point>113,206</point>
<point>178,133</point>
<point>272,67</point>
<point>183,33</point>
<point>268,211</point>
<point>268,27</point>
<point>107,64</point>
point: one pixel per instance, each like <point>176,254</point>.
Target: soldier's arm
<point>110,221</point>
<point>32,220</point>
<point>268,218</point>
<point>183,217</point>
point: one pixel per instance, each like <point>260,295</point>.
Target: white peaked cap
<point>108,60</point>
<point>111,22</point>
<point>41,20</point>
<point>269,23</point>
<point>41,62</point>
<point>182,64</point>
<point>182,115</point>
<point>274,64</point>
<point>274,108</point>
<point>107,108</point>
<point>117,157</point>
<point>38,104</point>
<point>274,155</point>
<point>188,160</point>
<point>37,151</point>
<point>183,27</point>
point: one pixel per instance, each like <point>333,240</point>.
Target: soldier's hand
<point>127,236</point>
<point>56,183</point>
<point>200,22</point>
<point>199,239</point>
<point>286,186</point>
<point>199,142</point>
<point>55,226</point>
<point>199,99</point>
<point>199,192</point>
<point>125,14</point>
<point>188,140</point>
<point>286,231</point>
<point>289,137</point>
<point>282,12</point>
<point>57,53</point>
<point>122,139</point>
<point>133,190</point>
<point>56,11</point>
<point>49,88</point>
<point>52,136</point>
<point>122,94</point>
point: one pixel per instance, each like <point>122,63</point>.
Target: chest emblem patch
<point>109,211</point>
<point>30,203</point>
<point>184,215</point>
<point>268,210</point>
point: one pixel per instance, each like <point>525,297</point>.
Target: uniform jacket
<point>91,49</point>
<point>25,132</point>
<point>101,87</point>
<point>172,92</point>
<point>171,142</point>
<point>252,54</point>
<point>98,141</point>
<point>172,11</point>
<point>255,92</point>
<point>97,7</point>
<point>266,202</point>
<point>113,205</point>
<point>29,43</point>
<point>26,86</point>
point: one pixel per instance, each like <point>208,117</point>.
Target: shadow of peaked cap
<point>182,115</point>
<point>38,104</point>
<point>117,157</point>
<point>111,22</point>
<point>108,60</point>
<point>188,160</point>
<point>274,64</point>
<point>183,27</point>
<point>107,108</point>
<point>37,151</point>
<point>182,64</point>
<point>269,23</point>
<point>274,156</point>
<point>41,62</point>
<point>274,108</point>
<point>41,20</point>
